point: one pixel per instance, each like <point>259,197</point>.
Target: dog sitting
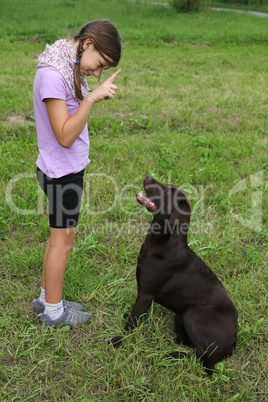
<point>169,272</point>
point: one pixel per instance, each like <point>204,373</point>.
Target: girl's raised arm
<point>67,129</point>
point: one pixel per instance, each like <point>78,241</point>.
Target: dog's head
<point>166,202</point>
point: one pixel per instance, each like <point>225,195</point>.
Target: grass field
<point>191,109</point>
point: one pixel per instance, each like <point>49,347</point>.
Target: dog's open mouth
<point>145,201</point>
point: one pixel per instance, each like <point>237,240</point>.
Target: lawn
<point>191,109</point>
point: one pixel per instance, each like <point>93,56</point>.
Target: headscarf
<point>62,56</point>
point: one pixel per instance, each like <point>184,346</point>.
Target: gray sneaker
<point>39,307</point>
<point>68,318</point>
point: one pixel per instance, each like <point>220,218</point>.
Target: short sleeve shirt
<point>53,159</point>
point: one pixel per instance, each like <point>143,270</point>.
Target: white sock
<point>54,310</point>
<point>42,296</point>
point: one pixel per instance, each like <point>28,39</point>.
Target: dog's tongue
<point>146,201</point>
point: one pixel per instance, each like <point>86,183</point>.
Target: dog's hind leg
<point>213,333</point>
<point>211,358</point>
<point>182,336</point>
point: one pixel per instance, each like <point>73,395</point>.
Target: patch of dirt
<point>18,120</point>
<point>205,44</point>
<point>35,55</point>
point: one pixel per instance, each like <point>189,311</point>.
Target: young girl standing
<point>62,105</point>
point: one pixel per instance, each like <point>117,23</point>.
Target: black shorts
<point>64,198</point>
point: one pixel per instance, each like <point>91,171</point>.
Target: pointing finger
<point>113,77</point>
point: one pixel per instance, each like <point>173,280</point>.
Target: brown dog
<point>170,273</point>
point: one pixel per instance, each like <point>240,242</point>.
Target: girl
<point>62,105</point>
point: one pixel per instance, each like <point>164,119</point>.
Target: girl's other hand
<point>106,90</point>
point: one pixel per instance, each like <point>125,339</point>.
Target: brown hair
<point>107,42</point>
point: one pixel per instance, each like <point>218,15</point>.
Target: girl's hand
<point>68,128</point>
<point>106,90</point>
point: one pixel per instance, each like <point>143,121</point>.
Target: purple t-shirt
<point>53,159</point>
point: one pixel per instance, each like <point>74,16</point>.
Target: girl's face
<point>92,63</point>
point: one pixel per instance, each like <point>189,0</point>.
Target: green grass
<point>191,109</point>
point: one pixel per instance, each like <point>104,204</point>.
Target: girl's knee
<point>69,240</point>
<point>63,238</point>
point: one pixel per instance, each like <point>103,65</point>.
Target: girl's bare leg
<point>57,250</point>
<point>44,263</point>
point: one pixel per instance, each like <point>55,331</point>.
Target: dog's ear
<point>182,212</point>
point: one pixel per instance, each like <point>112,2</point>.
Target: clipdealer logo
<point>252,215</point>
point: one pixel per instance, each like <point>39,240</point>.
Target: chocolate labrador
<point>169,272</point>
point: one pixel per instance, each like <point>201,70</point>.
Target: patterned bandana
<point>62,57</point>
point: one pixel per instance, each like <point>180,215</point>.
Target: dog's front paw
<point>116,341</point>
